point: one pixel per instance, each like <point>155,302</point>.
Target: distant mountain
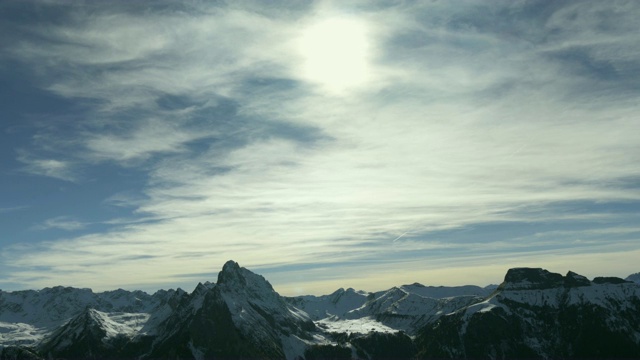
<point>532,314</point>
<point>406,308</point>
<point>634,277</point>
<point>28,316</point>
<point>336,304</point>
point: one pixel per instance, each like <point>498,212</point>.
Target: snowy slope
<point>406,308</point>
<point>92,329</point>
<point>401,310</point>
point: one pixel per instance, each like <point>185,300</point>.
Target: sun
<point>335,53</point>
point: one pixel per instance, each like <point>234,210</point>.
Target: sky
<point>321,144</point>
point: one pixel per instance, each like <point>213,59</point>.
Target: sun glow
<point>335,54</point>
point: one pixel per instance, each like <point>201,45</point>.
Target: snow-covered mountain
<point>533,313</point>
<point>634,277</point>
<point>406,308</point>
<point>538,314</point>
<point>336,304</point>
<point>26,317</point>
<point>240,316</point>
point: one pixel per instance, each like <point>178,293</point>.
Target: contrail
<point>403,234</point>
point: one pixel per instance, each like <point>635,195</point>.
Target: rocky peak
<point>575,280</point>
<point>531,278</point>
<point>539,279</point>
<point>236,279</point>
<point>231,274</point>
<point>202,288</point>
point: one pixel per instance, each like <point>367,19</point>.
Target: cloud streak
<point>61,222</point>
<point>496,113</point>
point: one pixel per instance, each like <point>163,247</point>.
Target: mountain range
<point>533,313</point>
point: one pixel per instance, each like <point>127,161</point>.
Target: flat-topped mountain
<point>538,314</point>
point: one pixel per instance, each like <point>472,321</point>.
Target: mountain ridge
<point>241,315</point>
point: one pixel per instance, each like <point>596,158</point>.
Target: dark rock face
<point>609,280</point>
<point>18,353</point>
<point>574,280</point>
<point>531,278</point>
<point>491,334</point>
<point>327,352</point>
<point>384,346</point>
<point>210,332</point>
<point>231,274</point>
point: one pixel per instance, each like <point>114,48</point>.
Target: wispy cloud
<point>13,208</point>
<point>477,113</point>
<point>154,137</point>
<point>61,223</point>
<point>54,168</point>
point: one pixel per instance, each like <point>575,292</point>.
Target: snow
<point>363,325</point>
<point>338,303</point>
<point>20,334</point>
<point>293,347</point>
<point>119,323</point>
<point>481,307</point>
<point>603,295</point>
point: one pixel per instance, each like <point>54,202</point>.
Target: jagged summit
<point>238,279</point>
<point>574,280</point>
<point>231,274</point>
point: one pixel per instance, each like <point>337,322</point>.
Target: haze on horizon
<point>321,144</point>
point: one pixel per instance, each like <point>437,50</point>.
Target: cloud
<point>474,116</point>
<point>12,209</point>
<point>154,137</point>
<point>62,223</point>
<point>54,168</point>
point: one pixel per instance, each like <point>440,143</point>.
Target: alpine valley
<point>532,314</point>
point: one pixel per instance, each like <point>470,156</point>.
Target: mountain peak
<point>634,277</point>
<point>539,279</point>
<point>238,279</point>
<point>531,278</point>
<point>231,273</point>
<point>575,280</point>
